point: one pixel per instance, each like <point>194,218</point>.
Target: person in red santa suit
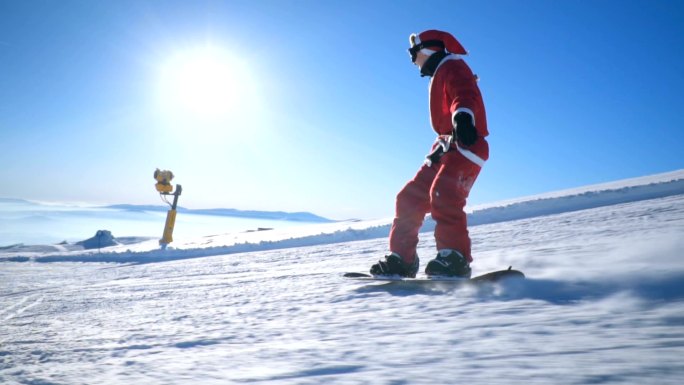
<point>442,184</point>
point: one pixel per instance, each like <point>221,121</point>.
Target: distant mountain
<point>15,201</point>
<point>273,215</point>
<point>279,215</point>
<point>128,207</point>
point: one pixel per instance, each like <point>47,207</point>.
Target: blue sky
<point>315,105</point>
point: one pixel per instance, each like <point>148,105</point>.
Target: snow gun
<point>165,188</point>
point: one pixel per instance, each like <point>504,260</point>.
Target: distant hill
<point>273,215</point>
<point>15,201</point>
<point>580,198</point>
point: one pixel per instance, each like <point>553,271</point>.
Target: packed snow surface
<point>603,303</point>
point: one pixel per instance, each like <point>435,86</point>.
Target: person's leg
<point>450,189</point>
<point>412,204</point>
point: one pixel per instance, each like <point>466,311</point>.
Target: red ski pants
<point>441,190</point>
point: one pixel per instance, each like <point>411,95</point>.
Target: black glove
<point>465,129</point>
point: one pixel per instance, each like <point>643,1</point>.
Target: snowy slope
<point>146,249</point>
<point>602,304</point>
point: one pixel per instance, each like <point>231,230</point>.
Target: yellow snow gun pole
<point>165,188</point>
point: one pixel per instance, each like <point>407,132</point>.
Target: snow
<point>603,303</point>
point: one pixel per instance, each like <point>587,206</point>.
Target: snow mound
<point>103,238</point>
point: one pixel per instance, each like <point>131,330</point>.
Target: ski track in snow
<point>603,304</point>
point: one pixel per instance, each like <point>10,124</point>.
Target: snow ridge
<point>580,201</point>
<point>147,251</point>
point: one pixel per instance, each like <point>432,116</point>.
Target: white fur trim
<point>451,56</point>
<point>471,156</point>
<point>463,109</point>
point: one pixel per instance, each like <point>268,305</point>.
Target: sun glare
<point>206,84</point>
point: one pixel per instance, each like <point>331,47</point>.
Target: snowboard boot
<point>449,263</point>
<point>395,265</point>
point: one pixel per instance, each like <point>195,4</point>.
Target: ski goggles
<point>415,48</point>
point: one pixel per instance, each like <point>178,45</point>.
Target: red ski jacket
<point>453,88</point>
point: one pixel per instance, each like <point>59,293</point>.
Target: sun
<point>206,83</point>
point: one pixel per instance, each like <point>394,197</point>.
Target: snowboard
<point>493,276</point>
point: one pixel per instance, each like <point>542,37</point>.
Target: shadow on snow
<point>658,288</point>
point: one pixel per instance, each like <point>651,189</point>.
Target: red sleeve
<point>465,96</point>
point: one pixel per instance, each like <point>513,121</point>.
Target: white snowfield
<point>603,303</point>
